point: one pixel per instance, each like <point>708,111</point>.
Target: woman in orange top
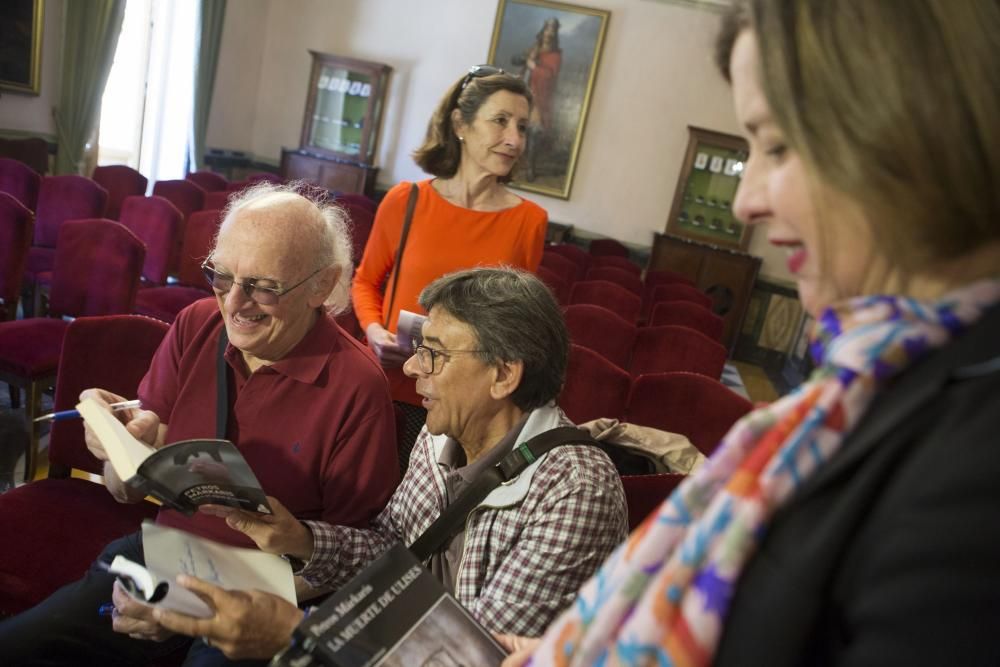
<point>464,217</point>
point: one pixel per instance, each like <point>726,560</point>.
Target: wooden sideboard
<point>328,172</point>
<point>725,275</point>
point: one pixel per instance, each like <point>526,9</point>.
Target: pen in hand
<point>73,414</point>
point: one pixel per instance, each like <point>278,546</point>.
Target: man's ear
<point>327,280</point>
<point>507,377</point>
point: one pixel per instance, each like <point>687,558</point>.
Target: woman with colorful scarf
<point>854,521</point>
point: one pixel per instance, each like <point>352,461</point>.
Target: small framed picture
<point>701,161</point>
<point>715,166</point>
<point>730,168</point>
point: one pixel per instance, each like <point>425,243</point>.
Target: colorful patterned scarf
<point>662,597</point>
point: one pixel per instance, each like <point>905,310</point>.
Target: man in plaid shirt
<point>490,367</point>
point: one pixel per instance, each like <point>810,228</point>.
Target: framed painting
<point>556,48</point>
<point>21,45</point>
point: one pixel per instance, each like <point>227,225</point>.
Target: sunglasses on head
<point>477,71</point>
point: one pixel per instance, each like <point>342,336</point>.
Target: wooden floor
<point>755,380</point>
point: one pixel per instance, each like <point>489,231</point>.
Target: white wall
<point>656,77</point>
<point>33,113</point>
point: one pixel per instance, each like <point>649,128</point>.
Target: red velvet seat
<point>97,268</point>
<point>20,181</point>
<point>617,262</point>
<point>121,181</point>
<point>61,198</point>
<point>608,295</point>
<point>16,226</point>
<point>188,198</point>
<point>688,314</point>
<point>693,405</point>
<point>361,217</point>
<point>252,179</point>
<point>608,248</point>
<point>594,387</point>
<point>70,520</point>
<point>664,277</point>
<point>626,279</point>
<point>157,223</point>
<point>672,348</point>
<point>645,493</point>
<point>602,331</point>
<point>672,291</point>
<point>558,286</point>
<point>164,303</point>
<point>562,266</point>
<point>209,181</point>
<point>576,254</point>
<point>216,201</point>
<point>357,200</point>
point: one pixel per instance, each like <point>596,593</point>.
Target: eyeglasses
<point>477,71</point>
<point>265,296</point>
<point>426,357</point>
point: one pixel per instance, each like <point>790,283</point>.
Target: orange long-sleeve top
<point>443,238</point>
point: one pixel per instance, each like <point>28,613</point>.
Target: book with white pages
<point>409,330</point>
<point>182,475</point>
<point>170,552</point>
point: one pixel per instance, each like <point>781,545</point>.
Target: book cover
<point>394,614</point>
<point>169,552</point>
<point>182,475</point>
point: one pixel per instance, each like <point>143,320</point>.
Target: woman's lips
<point>797,259</point>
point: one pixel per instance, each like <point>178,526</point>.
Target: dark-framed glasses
<point>264,295</point>
<point>477,71</point>
<point>427,357</point>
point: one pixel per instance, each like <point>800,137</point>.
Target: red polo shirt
<point>316,427</point>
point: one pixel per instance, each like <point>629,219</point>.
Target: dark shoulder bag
<point>411,204</point>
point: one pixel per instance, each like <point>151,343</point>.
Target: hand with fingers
<point>383,343</point>
<point>245,624</point>
<point>520,648</point>
<point>135,619</point>
<point>279,533</point>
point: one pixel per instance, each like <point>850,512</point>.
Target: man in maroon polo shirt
<point>309,409</point>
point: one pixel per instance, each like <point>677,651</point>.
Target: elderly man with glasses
<point>489,370</point>
<point>307,405</point>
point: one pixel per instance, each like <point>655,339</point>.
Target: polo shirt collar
<point>308,359</point>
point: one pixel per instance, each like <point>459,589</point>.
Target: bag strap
<point>221,387</point>
<point>454,515</point>
<point>411,204</point>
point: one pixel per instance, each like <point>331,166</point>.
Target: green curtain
<point>90,37</point>
<point>213,14</point>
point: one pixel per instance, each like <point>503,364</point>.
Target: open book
<point>394,613</point>
<point>183,475</point>
<point>170,552</point>
<point>409,330</point>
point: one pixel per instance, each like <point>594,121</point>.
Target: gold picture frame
<point>21,45</point>
<point>556,47</point>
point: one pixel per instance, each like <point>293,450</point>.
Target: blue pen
<point>74,414</point>
<point>106,609</point>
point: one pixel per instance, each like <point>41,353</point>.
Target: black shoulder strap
<point>411,204</point>
<point>221,386</point>
<point>454,515</point>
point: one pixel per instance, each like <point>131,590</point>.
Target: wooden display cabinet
<point>341,124</point>
<point>706,187</point>
<point>726,275</point>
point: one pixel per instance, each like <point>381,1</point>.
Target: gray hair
<point>333,243</point>
<point>515,318</point>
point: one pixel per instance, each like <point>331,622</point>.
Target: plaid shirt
<point>523,562</point>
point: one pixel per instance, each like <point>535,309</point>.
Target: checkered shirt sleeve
<point>340,552</point>
<point>523,565</point>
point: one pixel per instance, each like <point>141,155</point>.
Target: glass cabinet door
<point>344,106</point>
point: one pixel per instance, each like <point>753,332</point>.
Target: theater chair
<point>20,181</point>
<point>157,223</point>
<point>164,303</point>
<point>687,314</point>
<point>209,181</point>
<point>687,403</point>
<point>617,262</point>
<point>55,527</point>
<point>608,248</point>
<point>16,225</point>
<point>97,268</point>
<point>562,266</point>
<point>672,348</point>
<point>645,493</point>
<point>613,274</point>
<point>577,255</point>
<point>602,331</point>
<point>121,181</point>
<point>608,295</point>
<point>188,198</point>
<point>594,387</point>
<point>555,283</point>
